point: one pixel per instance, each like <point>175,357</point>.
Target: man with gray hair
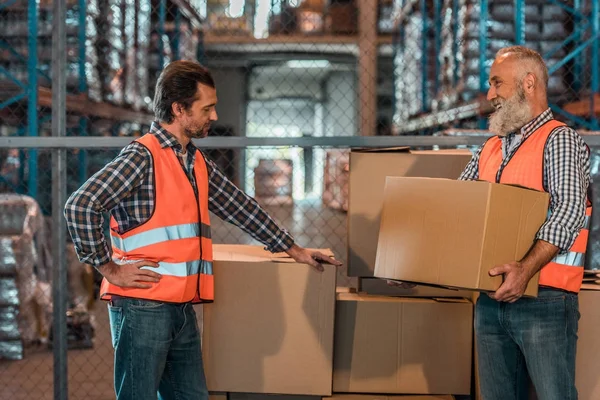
<point>537,336</point>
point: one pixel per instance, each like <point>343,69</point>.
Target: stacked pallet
<point>24,296</point>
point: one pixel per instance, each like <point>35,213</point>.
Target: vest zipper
<point>197,196</point>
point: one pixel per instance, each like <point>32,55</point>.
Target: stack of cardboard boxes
<point>279,327</point>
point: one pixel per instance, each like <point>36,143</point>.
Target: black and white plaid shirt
<point>125,188</point>
<point>566,178</point>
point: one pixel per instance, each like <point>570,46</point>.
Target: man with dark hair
<point>517,336</point>
<point>159,192</point>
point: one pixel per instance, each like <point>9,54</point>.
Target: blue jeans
<point>535,336</point>
<point>157,350</point>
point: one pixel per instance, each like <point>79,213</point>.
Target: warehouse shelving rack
<point>36,99</point>
<point>584,113</point>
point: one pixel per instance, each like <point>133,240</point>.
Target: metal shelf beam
<point>448,138</point>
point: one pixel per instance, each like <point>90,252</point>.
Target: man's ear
<point>529,83</point>
<point>176,109</point>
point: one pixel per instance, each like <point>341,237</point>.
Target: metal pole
<point>424,58</point>
<point>577,62</point>
<point>455,41</point>
<point>595,15</point>
<point>483,17</point>
<point>437,24</point>
<point>59,182</point>
<point>177,34</point>
<point>162,19</point>
<point>519,22</point>
<point>32,95</point>
<point>83,87</point>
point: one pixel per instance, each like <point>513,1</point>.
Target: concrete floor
<point>90,371</point>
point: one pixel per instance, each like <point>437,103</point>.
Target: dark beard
<point>196,134</point>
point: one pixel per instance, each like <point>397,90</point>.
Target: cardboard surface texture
<point>451,233</point>
<point>380,287</point>
<point>402,345</point>
<point>368,170</point>
<point>270,329</point>
<point>588,346</point>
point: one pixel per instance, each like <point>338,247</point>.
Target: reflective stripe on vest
<point>526,168</point>
<point>576,256</point>
<point>159,235</point>
<point>570,258</point>
<point>183,268</point>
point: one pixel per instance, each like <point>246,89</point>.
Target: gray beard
<point>513,115</point>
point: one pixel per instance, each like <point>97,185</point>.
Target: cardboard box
<point>402,345</point>
<point>588,346</point>
<point>384,397</point>
<point>368,170</point>
<point>270,328</point>
<point>380,287</point>
<point>451,233</point>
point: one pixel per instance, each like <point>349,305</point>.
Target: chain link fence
<point>301,71</point>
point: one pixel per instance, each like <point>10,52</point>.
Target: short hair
<point>529,56</point>
<point>178,83</point>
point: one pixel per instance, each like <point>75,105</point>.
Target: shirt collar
<point>534,124</point>
<point>167,139</point>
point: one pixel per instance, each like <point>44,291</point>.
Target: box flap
<point>400,149</point>
<point>444,151</point>
<point>450,300</point>
<point>364,297</point>
<point>242,252</point>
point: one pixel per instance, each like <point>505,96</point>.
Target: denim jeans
<point>157,351</point>
<point>535,336</point>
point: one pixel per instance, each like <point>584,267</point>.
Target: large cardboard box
<point>368,170</point>
<point>451,233</point>
<point>380,287</point>
<point>402,345</point>
<point>270,328</point>
<point>588,346</point>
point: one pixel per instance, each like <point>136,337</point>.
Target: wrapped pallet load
<point>25,302</point>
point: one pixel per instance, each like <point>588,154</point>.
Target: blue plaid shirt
<point>125,188</point>
<point>566,178</point>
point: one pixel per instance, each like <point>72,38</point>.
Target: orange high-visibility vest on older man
<point>526,168</point>
<point>177,235</point>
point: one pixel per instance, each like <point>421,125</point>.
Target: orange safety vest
<point>177,235</point>
<point>526,168</point>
